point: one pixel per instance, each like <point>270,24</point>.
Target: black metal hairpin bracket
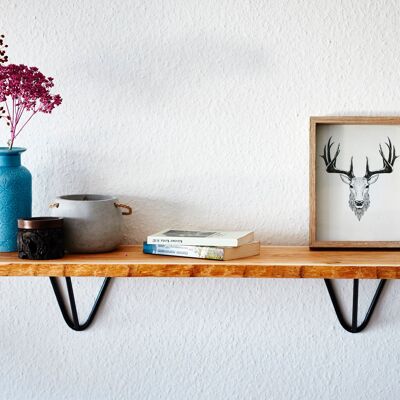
<point>73,322</point>
<point>354,327</point>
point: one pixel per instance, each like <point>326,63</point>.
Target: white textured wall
<point>196,113</point>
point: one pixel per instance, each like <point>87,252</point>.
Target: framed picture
<point>354,182</point>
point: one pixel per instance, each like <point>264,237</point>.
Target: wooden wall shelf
<point>273,262</point>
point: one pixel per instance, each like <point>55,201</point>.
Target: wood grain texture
<point>313,236</point>
<point>273,262</point>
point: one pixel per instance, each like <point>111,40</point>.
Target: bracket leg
<point>354,327</point>
<point>74,322</point>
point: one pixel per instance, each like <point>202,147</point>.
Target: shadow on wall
<point>154,69</point>
<point>176,201</point>
<point>62,172</point>
<point>150,216</point>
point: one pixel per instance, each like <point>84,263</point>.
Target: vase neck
<point>10,160</point>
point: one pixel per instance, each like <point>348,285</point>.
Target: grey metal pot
<point>92,223</point>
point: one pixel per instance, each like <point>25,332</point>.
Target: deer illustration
<point>359,186</point>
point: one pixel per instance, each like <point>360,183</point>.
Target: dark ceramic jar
<point>40,238</point>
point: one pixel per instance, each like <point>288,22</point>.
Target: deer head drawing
<point>359,201</point>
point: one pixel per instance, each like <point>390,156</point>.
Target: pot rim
<point>86,198</point>
<point>40,223</point>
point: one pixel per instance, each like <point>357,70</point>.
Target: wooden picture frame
<point>324,229</point>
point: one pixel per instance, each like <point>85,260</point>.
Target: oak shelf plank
<point>273,262</point>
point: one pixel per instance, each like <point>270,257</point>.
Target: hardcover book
<point>206,252</point>
<point>201,238</point>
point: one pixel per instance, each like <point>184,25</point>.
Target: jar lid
<point>40,223</point>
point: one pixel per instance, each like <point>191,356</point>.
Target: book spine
<point>209,253</point>
<point>188,241</point>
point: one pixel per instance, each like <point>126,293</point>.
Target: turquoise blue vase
<point>15,196</point>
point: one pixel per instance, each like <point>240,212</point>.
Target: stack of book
<point>211,245</point>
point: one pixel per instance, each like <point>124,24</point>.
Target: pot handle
<point>129,209</point>
<point>54,205</point>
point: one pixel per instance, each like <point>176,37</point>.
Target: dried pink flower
<point>3,46</point>
<point>24,90</point>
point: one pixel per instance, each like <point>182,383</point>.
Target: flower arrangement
<point>25,91</point>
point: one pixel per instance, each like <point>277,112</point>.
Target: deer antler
<point>387,162</point>
<point>331,162</point>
